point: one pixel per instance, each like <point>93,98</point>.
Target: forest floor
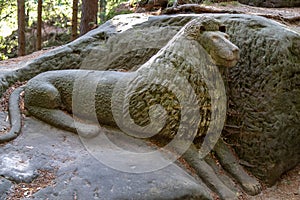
<point>288,187</point>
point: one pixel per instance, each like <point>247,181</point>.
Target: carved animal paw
<point>227,194</point>
<point>88,130</point>
<point>251,185</point>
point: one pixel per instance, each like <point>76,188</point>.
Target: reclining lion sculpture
<point>193,53</point>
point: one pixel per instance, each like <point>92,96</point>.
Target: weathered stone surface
<point>263,117</point>
<point>264,101</point>
<point>5,186</point>
<point>16,167</point>
<point>79,174</point>
<point>112,47</point>
<point>272,3</point>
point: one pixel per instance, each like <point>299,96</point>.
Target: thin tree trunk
<point>102,11</point>
<point>74,20</point>
<point>88,16</point>
<point>21,27</point>
<point>39,26</point>
<point>27,17</point>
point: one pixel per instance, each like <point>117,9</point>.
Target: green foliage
<point>8,16</point>
<point>207,2</point>
<point>8,46</point>
<point>8,24</point>
<point>133,3</point>
<point>56,16</point>
<point>114,8</point>
<point>59,14</point>
<point>171,2</point>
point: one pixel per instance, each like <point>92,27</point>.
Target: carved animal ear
<point>202,28</point>
<point>222,28</point>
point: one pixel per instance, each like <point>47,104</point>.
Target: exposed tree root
<point>196,8</point>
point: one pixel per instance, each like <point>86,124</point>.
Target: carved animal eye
<point>215,38</point>
<point>222,29</point>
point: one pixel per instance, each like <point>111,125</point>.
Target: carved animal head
<point>210,33</point>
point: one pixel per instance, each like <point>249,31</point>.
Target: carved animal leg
<point>231,164</point>
<point>220,172</point>
<point>207,174</point>
<point>43,101</point>
<point>60,119</point>
<point>53,117</point>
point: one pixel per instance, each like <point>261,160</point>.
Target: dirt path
<point>287,188</point>
<point>15,63</point>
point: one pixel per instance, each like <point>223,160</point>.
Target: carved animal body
<point>190,56</point>
<point>50,92</point>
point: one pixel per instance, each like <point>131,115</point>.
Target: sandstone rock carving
<point>194,52</point>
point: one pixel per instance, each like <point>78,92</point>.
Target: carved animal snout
<point>222,51</point>
<point>233,53</point>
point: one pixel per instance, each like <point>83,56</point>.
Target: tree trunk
<point>39,26</point>
<point>88,16</point>
<point>21,27</point>
<point>74,20</point>
<point>102,11</point>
